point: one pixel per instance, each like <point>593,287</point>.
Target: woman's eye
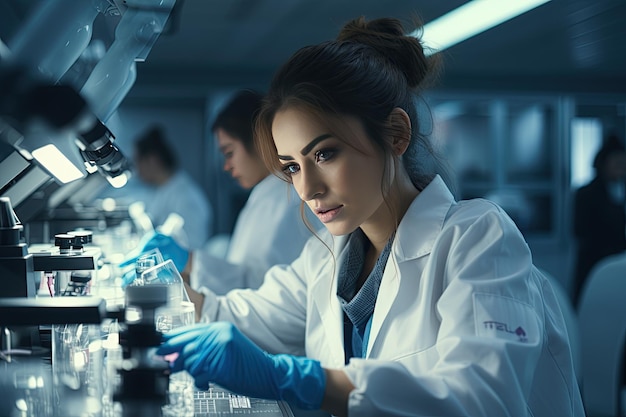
<point>291,169</point>
<point>324,155</point>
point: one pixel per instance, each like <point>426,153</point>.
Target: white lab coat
<point>269,231</point>
<point>181,195</point>
<point>464,324</point>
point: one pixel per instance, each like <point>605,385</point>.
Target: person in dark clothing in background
<point>600,212</point>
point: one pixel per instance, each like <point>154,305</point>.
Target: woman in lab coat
<point>172,190</point>
<point>271,211</point>
<point>410,303</point>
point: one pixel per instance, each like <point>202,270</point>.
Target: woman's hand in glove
<point>218,352</point>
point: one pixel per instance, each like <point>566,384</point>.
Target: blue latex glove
<point>218,352</point>
<point>168,247</point>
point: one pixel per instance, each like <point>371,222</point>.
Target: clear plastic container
<point>178,312</point>
<point>166,273</point>
<point>146,261</point>
<point>77,369</point>
<point>181,385</point>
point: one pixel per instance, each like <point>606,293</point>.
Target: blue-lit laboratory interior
<point>101,256</point>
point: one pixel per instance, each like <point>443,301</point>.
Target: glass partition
<point>505,149</point>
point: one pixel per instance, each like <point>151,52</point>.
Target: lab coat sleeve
<point>197,227</point>
<point>269,231</point>
<point>221,276</point>
<point>273,316</point>
<point>485,269</point>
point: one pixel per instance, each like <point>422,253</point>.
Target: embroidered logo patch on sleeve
<point>505,318</point>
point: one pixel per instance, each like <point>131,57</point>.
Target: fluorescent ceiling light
<point>471,19</point>
<point>51,158</point>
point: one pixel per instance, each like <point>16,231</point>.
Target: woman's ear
<point>399,130</point>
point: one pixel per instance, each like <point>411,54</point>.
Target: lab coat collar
<point>175,180</point>
<point>268,182</point>
<point>327,302</point>
<point>423,221</point>
<point>415,237</point>
<point>420,226</point>
<point>270,185</point>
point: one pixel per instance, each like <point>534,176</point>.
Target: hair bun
<point>387,36</point>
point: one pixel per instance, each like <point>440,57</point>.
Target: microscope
<point>16,263</point>
<point>136,383</point>
<point>54,121</point>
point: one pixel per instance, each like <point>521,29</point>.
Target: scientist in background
<point>271,213</point>
<point>600,212</point>
<point>171,189</point>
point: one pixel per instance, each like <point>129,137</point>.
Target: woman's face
<point>148,168</point>
<point>246,168</point>
<point>340,183</point>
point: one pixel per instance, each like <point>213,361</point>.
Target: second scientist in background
<point>271,213</point>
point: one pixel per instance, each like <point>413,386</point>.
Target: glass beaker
<point>166,273</point>
<point>181,384</point>
<point>144,262</point>
<point>178,312</point>
<point>77,369</point>
<point>113,362</point>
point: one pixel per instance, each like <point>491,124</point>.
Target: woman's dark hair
<point>370,69</point>
<point>153,142</point>
<point>237,117</point>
